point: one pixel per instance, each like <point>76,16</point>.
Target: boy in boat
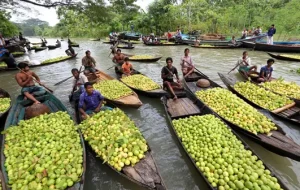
<point>187,65</point>
<point>244,64</point>
<point>91,101</point>
<point>118,58</point>
<point>127,67</point>
<point>266,71</point>
<point>89,63</point>
<point>70,51</point>
<point>27,83</point>
<point>167,74</point>
<point>79,80</point>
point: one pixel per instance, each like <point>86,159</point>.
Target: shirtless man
<point>118,59</point>
<point>27,83</point>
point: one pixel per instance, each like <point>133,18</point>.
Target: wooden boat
<point>18,54</point>
<point>278,142</point>
<point>132,42</point>
<point>125,47</point>
<point>17,114</point>
<point>95,39</point>
<point>216,47</point>
<point>164,44</point>
<point>50,47</point>
<point>290,112</point>
<point>3,185</point>
<point>284,57</point>
<point>154,59</point>
<point>107,42</point>
<point>40,49</point>
<point>130,100</point>
<point>277,48</point>
<point>152,93</point>
<point>37,43</point>
<point>60,60</point>
<point>74,45</point>
<point>185,107</point>
<point>3,69</point>
<point>147,170</point>
<point>247,44</point>
<point>253,78</point>
<point>4,94</point>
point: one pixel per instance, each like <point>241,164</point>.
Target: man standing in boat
<point>91,101</point>
<point>187,65</point>
<point>27,83</point>
<point>89,63</point>
<point>271,32</point>
<point>167,74</point>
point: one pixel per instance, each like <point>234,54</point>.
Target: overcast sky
<point>50,16</point>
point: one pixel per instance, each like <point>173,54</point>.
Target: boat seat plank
<point>182,107</point>
<point>290,112</point>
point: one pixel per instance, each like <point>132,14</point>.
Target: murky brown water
<point>176,169</point>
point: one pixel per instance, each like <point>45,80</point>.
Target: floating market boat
<point>216,47</point>
<point>51,47</point>
<point>125,47</point>
<point>39,49</point>
<point>146,169</point>
<point>3,185</point>
<point>164,44</point>
<point>17,113</point>
<point>95,39</point>
<point>74,44</point>
<point>290,112</point>
<point>277,142</point>
<point>4,68</point>
<point>143,59</point>
<point>131,100</point>
<point>4,94</point>
<point>285,57</point>
<point>18,54</point>
<point>272,48</point>
<point>185,107</point>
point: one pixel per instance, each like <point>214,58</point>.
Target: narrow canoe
<point>154,59</point>
<point>158,186</point>
<point>4,94</point>
<point>40,49</point>
<point>37,43</point>
<point>185,107</point>
<point>277,48</point>
<point>252,77</point>
<point>2,69</point>
<point>130,100</point>
<point>60,60</point>
<point>217,47</point>
<point>278,142</point>
<point>248,44</point>
<point>291,114</point>
<point>17,113</point>
<point>164,44</point>
<point>95,39</point>
<point>52,47</point>
<point>74,45</point>
<point>284,57</point>
<point>125,47</point>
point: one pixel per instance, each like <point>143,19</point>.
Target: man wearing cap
<point>89,63</point>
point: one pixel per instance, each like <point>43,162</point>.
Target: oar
<point>72,93</point>
<point>233,69</point>
<point>111,67</point>
<point>36,80</point>
<point>60,82</point>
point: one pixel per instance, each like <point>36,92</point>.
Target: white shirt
<point>241,63</point>
<point>82,79</point>
<point>2,42</point>
<point>186,62</point>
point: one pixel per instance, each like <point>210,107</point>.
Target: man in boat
<point>197,42</point>
<point>167,74</point>
<point>70,51</point>
<point>244,64</point>
<point>89,63</point>
<point>27,83</point>
<point>118,58</point>
<point>244,33</point>
<point>2,45</point>
<point>186,63</point>
<point>127,67</point>
<point>91,101</point>
<point>266,71</point>
<point>58,44</point>
<point>233,41</point>
<point>271,32</point>
<point>43,43</point>
<point>9,59</point>
<point>79,80</point>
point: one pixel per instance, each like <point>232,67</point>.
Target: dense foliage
<point>6,27</point>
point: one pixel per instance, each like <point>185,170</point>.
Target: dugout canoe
<point>3,69</point>
<point>51,47</point>
<point>131,100</point>
<point>95,39</point>
<point>152,93</point>
<point>278,142</point>
<point>277,48</point>
<point>217,47</point>
<point>39,49</point>
<point>60,60</point>
<point>185,107</point>
<point>285,57</point>
<point>164,44</point>
<point>74,45</point>
<point>18,54</point>
<point>4,94</point>
<point>17,113</point>
<point>252,77</point>
<point>146,60</point>
<point>290,113</point>
<point>36,43</point>
<point>125,47</point>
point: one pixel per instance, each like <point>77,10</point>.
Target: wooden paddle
<point>233,69</point>
<point>111,67</point>
<point>72,93</point>
<point>36,80</point>
<point>60,82</point>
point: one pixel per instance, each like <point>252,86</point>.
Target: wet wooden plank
<point>182,107</point>
<point>190,106</point>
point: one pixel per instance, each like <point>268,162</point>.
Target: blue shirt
<point>92,101</point>
<point>266,71</point>
<point>271,31</point>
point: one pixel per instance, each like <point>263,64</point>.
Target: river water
<point>176,169</point>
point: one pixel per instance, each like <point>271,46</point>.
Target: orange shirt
<point>126,67</point>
